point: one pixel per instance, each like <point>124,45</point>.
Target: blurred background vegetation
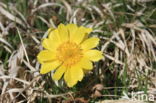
<point>127,29</point>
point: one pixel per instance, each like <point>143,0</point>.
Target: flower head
<point>69,51</point>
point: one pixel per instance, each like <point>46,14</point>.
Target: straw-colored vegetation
<point>127,32</point>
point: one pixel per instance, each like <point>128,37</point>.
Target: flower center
<point>69,53</point>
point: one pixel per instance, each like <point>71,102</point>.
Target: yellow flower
<point>69,52</point>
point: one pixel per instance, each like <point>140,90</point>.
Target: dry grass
<point>128,40</point>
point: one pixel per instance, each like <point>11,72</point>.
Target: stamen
<point>69,53</point>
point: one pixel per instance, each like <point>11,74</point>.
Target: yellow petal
<point>68,79</point>
<point>46,55</point>
<point>67,76</point>
<point>49,66</point>
<point>45,43</point>
<point>73,75</point>
<point>80,34</point>
<point>51,29</point>
<point>72,28</point>
<point>88,30</point>
<point>54,35</point>
<point>93,55</point>
<point>86,64</point>
<point>76,73</point>
<point>59,72</point>
<point>90,43</point>
<point>50,44</point>
<point>63,32</point>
